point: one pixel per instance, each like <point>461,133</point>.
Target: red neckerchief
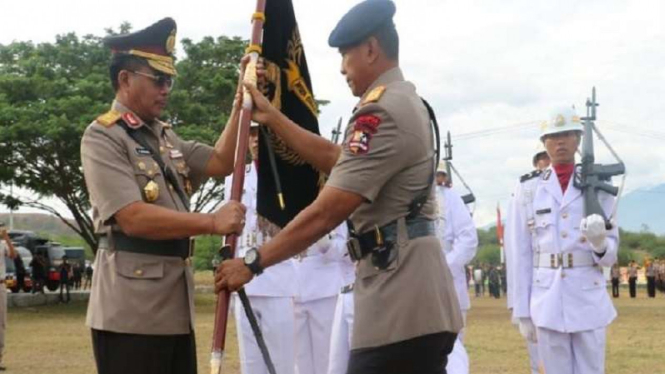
<point>563,173</point>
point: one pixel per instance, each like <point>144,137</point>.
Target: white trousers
<point>534,358</point>
<point>458,359</point>
<point>276,318</point>
<point>314,321</point>
<point>340,340</point>
<point>574,353</point>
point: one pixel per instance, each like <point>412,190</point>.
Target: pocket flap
<point>543,278</point>
<point>139,269</point>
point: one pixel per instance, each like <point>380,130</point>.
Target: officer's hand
<point>232,275</point>
<point>229,219</point>
<point>593,228</point>
<point>528,330</point>
<point>264,112</point>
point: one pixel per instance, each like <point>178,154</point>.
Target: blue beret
<point>360,22</point>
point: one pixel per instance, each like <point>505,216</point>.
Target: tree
<point>50,92</point>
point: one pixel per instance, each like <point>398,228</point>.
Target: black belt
<point>370,240</point>
<point>172,248</point>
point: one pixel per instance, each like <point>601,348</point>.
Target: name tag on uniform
<point>174,153</point>
<point>544,211</point>
<point>143,151</point>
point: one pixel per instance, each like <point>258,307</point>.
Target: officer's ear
<point>373,49</point>
<point>123,79</point>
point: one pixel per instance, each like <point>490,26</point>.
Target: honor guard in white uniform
<point>271,294</point>
<point>340,339</point>
<point>319,280</point>
<point>559,295</point>
<point>459,240</point>
<point>540,162</point>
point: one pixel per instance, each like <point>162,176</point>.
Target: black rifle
<point>450,168</point>
<point>336,132</point>
<point>591,177</point>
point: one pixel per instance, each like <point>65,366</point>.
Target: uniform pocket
<point>138,269</point>
<point>543,278</point>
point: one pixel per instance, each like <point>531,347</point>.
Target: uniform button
<point>161,149</point>
<point>138,272</point>
<point>141,165</point>
<point>595,283</point>
<point>564,234</point>
<point>583,239</point>
<point>564,216</point>
<point>563,275</point>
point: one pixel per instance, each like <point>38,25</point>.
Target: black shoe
<point>2,368</point>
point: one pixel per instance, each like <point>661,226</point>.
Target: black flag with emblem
<point>289,88</point>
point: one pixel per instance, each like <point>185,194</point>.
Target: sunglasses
<point>160,80</point>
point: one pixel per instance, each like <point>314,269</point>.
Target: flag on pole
<point>289,90</point>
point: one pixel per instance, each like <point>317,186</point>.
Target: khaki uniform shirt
<point>387,159</point>
<point>131,292</point>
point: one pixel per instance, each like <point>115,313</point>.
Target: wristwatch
<point>251,260</point>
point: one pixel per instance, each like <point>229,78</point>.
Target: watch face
<point>250,256</point>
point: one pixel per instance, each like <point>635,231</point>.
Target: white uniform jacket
<point>318,268</point>
<point>459,239</point>
<point>567,299</point>
<point>278,280</point>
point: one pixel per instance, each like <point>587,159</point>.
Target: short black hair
<point>388,39</point>
<point>539,156</point>
<point>124,61</point>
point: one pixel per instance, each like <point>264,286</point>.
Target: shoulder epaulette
<point>109,118</point>
<point>374,95</point>
<point>530,175</point>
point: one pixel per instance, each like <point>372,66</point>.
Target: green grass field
<point>55,340</point>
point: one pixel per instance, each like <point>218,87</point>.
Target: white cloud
<point>482,64</point>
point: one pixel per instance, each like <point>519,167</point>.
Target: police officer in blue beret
<point>407,315</point>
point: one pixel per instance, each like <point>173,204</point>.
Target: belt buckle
<point>353,247</point>
<point>556,260</point>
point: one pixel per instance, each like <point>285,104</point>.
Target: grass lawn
<point>54,340</point>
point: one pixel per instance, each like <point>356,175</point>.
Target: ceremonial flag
<point>290,90</point>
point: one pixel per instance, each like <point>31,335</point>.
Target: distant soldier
<point>478,278</point>
<point>650,272</point>
<point>661,275</point>
<point>632,278</point>
<point>616,279</point>
<point>7,250</point>
<point>494,282</point>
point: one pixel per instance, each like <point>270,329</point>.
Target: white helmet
<point>443,167</point>
<point>562,120</point>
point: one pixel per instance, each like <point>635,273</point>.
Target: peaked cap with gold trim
<point>155,44</point>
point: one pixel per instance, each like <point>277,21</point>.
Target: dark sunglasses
<point>160,80</point>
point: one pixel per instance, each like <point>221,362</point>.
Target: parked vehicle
<point>27,239</point>
<point>52,252</point>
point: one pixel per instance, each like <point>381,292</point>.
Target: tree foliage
<point>50,92</point>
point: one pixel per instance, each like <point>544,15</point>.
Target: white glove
<point>593,228</point>
<point>528,330</point>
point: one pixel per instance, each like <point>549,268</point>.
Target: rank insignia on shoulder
<point>109,118</point>
<point>174,153</point>
<point>131,120</point>
<point>547,174</point>
<point>374,95</point>
<point>364,128</point>
<point>530,175</point>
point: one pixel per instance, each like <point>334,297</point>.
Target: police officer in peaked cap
<point>407,315</point>
<point>140,176</point>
